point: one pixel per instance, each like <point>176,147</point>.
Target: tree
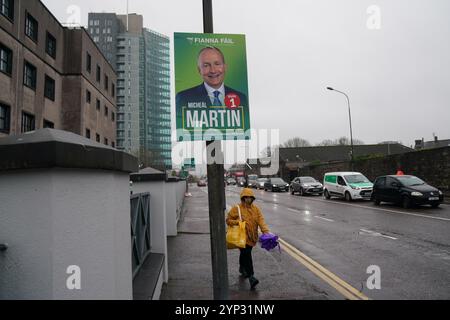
<point>342,141</point>
<point>296,143</point>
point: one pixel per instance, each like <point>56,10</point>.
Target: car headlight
<point>274,185</point>
<point>355,188</point>
<point>287,185</point>
<point>416,194</point>
<point>440,192</point>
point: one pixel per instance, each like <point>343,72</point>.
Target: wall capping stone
<point>148,174</point>
<point>48,148</point>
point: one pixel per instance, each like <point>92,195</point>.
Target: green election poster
<point>211,87</point>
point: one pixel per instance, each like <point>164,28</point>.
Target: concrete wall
<point>55,218</point>
<point>171,208</point>
<point>431,165</point>
<point>174,202</point>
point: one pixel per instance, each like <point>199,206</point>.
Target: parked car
<point>306,185</point>
<point>241,182</point>
<point>406,190</point>
<point>260,183</point>
<point>276,184</point>
<point>252,180</point>
<point>231,181</point>
<point>201,183</point>
<point>348,185</point>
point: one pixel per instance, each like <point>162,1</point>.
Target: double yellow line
<point>340,285</point>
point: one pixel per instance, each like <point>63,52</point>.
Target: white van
<point>348,185</point>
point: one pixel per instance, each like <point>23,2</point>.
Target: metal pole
<point>216,198</point>
<point>351,132</point>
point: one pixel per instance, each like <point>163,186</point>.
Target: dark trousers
<point>245,260</point>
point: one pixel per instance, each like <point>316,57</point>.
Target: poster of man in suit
<point>211,87</point>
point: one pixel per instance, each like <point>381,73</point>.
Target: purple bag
<point>269,241</point>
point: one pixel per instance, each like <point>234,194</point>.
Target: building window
<point>49,90</point>
<point>88,133</point>
<point>97,137</point>
<point>99,71</point>
<point>7,8</point>
<point>106,141</point>
<point>31,27</point>
<point>27,122</point>
<point>88,96</point>
<point>113,116</point>
<point>106,111</point>
<point>48,124</point>
<point>5,59</point>
<point>98,105</point>
<point>113,144</point>
<point>106,83</point>
<point>113,90</point>
<point>29,75</point>
<point>88,62</point>
<point>50,45</point>
<point>4,118</point>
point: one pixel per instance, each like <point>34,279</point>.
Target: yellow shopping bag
<point>236,235</point>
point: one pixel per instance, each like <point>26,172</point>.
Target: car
<point>241,182</point>
<point>231,181</point>
<point>306,185</point>
<point>201,183</point>
<point>260,183</point>
<point>347,185</point>
<point>252,180</point>
<point>276,184</point>
<point>406,190</point>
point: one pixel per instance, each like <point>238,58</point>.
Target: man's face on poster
<point>212,68</point>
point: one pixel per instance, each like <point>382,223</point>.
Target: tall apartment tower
<point>142,61</point>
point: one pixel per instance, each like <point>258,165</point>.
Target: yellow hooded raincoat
<point>251,215</point>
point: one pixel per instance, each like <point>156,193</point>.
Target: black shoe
<point>253,282</point>
<point>242,272</point>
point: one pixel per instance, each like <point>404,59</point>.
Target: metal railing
<point>140,229</point>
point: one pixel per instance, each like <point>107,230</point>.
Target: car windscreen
<point>262,180</point>
<point>410,181</point>
<point>356,178</point>
<point>307,180</point>
<point>277,180</point>
<point>252,177</point>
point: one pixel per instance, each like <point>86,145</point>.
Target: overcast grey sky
<point>397,77</point>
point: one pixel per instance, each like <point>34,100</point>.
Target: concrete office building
<point>142,61</point>
<point>52,76</point>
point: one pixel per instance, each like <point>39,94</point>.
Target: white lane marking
<point>293,210</point>
<point>381,209</point>
<point>376,234</point>
<point>318,217</point>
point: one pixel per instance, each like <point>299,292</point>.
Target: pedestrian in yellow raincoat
<point>253,218</point>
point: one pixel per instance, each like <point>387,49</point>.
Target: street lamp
<point>349,117</point>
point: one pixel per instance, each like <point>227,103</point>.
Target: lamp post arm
<point>350,119</point>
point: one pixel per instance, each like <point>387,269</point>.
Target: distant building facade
<point>52,76</point>
<point>436,143</point>
<point>142,61</point>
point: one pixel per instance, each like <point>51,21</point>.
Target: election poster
<point>211,87</point>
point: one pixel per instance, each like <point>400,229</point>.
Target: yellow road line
<point>340,285</point>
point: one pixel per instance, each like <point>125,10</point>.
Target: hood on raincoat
<point>247,192</point>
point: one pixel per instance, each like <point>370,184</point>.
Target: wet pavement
<point>190,271</point>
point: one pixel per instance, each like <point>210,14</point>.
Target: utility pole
<point>216,197</point>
